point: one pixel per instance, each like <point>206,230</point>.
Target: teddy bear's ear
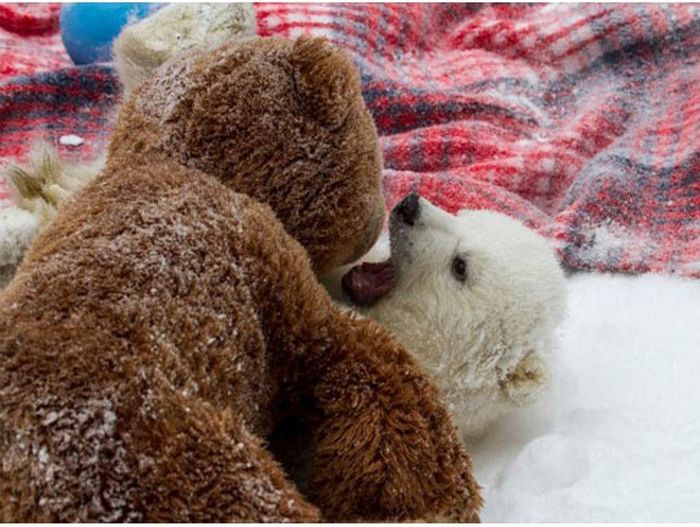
<point>327,76</point>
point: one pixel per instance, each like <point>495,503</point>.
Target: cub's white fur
<point>485,340</point>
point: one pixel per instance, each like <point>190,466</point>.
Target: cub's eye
<point>459,268</point>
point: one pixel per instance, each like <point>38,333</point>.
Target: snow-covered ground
<point>617,438</point>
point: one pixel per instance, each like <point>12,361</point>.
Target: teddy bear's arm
<point>386,448</point>
<point>384,445</point>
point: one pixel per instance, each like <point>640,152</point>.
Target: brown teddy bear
<point>169,318</point>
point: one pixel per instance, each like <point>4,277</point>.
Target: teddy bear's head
<point>282,121</point>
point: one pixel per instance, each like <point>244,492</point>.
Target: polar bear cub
<point>476,297</point>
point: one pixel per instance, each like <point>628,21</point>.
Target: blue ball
<point>87,30</point>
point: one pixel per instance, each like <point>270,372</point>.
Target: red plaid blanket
<point>42,96</point>
<point>581,120</point>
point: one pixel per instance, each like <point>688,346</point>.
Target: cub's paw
<point>386,448</point>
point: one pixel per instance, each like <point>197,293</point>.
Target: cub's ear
<point>327,77</point>
<point>526,381</point>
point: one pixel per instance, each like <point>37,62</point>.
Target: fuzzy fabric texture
<point>297,122</point>
<point>39,188</point>
<point>48,181</point>
<point>164,324</point>
<point>142,47</point>
<point>17,229</point>
<point>486,336</point>
<point>577,119</point>
<point>31,41</point>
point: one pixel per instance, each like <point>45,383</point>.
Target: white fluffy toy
<point>38,191</point>
<point>475,297</point>
<point>142,47</point>
<point>17,228</point>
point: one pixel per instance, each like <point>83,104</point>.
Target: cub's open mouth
<point>368,282</point>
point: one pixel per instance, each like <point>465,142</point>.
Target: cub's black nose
<point>408,209</point>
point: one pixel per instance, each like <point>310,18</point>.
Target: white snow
<point>617,437</point>
<point>71,140</point>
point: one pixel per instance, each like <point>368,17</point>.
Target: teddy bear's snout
<point>407,210</point>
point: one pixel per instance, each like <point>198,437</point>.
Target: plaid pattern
<point>29,40</point>
<point>580,120</point>
<point>42,95</point>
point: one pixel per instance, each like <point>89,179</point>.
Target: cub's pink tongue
<point>368,282</point>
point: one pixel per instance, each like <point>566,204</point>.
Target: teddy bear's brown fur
<point>165,323</point>
<point>284,123</point>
